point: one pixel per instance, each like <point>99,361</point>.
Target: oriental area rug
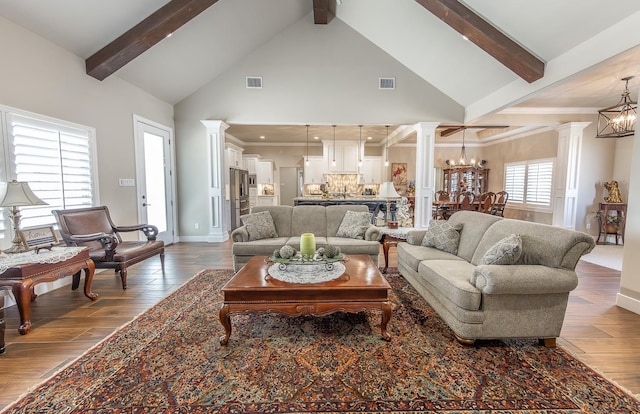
<point>169,360</point>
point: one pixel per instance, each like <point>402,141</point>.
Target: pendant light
<point>619,120</point>
<point>334,146</point>
<point>360,147</point>
<point>386,153</point>
<point>307,144</point>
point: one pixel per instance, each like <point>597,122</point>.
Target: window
<point>529,183</point>
<point>55,157</point>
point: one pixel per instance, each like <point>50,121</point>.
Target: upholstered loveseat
<point>290,222</point>
<point>526,299</point>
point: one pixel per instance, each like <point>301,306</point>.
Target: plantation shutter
<point>539,181</point>
<point>514,180</point>
<point>56,161</point>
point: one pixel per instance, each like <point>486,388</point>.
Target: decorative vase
<point>611,229</point>
<point>307,244</point>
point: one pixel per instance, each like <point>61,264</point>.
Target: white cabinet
<point>346,156</point>
<point>267,200</point>
<point>314,171</point>
<point>372,170</point>
<point>264,172</point>
<point>233,156</point>
<point>249,163</point>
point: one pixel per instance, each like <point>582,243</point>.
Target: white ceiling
<point>588,46</point>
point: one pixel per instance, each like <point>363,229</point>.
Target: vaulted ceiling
<point>585,46</point>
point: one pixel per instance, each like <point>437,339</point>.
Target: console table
<point>617,210</point>
<point>22,271</point>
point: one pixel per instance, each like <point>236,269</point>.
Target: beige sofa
<point>527,299</point>
<point>291,222</point>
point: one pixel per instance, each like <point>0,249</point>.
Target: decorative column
<point>566,174</point>
<point>425,180</point>
<point>216,169</point>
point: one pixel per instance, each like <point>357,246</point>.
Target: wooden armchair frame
<point>93,227</point>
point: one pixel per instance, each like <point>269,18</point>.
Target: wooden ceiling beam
<point>143,36</point>
<point>487,37</point>
<point>323,11</point>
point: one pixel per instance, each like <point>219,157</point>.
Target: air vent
<point>387,83</point>
<point>254,82</point>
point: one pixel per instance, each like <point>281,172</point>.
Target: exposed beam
<point>450,131</point>
<point>143,36</point>
<point>323,11</point>
<point>487,37</point>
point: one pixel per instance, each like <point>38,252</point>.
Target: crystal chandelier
<point>619,120</point>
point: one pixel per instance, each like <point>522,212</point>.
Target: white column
<point>216,169</point>
<point>425,181</point>
<point>566,178</point>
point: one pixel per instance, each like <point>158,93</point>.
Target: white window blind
<point>530,183</point>
<point>514,177</point>
<point>56,160</point>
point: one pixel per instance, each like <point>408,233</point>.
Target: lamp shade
<point>387,190</point>
<point>19,194</point>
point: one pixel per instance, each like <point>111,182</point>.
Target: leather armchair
<point>93,227</point>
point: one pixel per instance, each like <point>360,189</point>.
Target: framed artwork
<point>399,176</point>
<point>37,238</point>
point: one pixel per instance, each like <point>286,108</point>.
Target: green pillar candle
<point>307,244</point>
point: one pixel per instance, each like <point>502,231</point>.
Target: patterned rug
<point>169,360</point>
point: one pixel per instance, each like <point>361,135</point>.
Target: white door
<point>154,165</point>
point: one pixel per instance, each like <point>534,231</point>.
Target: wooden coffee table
<point>253,290</point>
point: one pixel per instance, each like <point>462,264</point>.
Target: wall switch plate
<point>127,182</point>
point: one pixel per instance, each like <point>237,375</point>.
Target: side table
<point>22,279</point>
<point>391,238</point>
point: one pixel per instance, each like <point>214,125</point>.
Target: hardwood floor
<point>66,323</point>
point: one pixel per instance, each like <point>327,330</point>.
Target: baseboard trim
<point>193,239</point>
<point>628,303</point>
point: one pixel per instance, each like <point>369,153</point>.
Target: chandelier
<point>619,120</point>
<point>462,160</point>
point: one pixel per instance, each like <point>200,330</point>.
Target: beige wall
<point>629,296</point>
<point>327,83</point>
<point>38,76</point>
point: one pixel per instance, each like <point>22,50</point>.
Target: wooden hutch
<point>475,179</point>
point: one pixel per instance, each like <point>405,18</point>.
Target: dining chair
<point>487,200</point>
<point>441,211</point>
<point>501,202</point>
<point>466,201</point>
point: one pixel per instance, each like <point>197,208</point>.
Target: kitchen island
<point>375,204</point>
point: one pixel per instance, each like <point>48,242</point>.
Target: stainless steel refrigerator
<point>238,195</point>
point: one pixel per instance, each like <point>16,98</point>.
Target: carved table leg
<point>23,292</point>
<point>385,250</point>
<point>225,320</point>
<point>88,278</point>
<point>386,317</point>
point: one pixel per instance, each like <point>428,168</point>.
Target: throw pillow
<point>505,252</point>
<point>259,225</point>
<point>442,236</point>
<point>354,224</point>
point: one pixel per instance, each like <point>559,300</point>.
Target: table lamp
<point>18,194</point>
<point>388,191</point>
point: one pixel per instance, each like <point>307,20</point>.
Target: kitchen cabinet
<point>372,170</point>
<point>264,172</point>
<point>463,179</point>
<point>267,200</point>
<point>313,173</point>
<point>249,162</point>
<point>346,155</point>
<point>233,156</point>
